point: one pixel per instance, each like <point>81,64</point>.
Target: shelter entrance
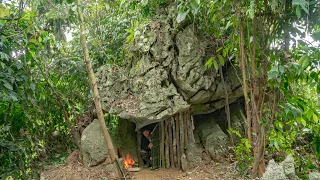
<point>169,139</point>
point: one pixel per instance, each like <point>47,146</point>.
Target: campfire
<point>128,161</point>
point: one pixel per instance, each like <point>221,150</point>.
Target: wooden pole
<point>177,139</point>
<point>181,135</point>
<point>170,144</point>
<point>185,129</point>
<point>192,127</point>
<point>162,144</point>
<point>174,141</point>
<point>94,87</point>
<point>167,145</point>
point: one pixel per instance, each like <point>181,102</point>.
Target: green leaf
<point>32,86</point>
<point>7,85</point>
<point>216,66</point>
<point>208,64</point>
<point>272,74</point>
<point>305,63</point>
<point>302,59</point>
<point>302,3</point>
<point>281,69</point>
<point>34,41</point>
<point>315,118</point>
<point>274,4</point>
<point>304,123</point>
<point>298,12</point>
<point>221,60</point>
<point>316,35</point>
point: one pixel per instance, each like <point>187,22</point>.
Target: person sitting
<point>146,146</point>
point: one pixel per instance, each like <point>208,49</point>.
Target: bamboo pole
<point>94,87</point>
<point>170,145</point>
<point>177,139</point>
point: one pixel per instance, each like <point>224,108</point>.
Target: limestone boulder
<point>93,146</point>
<point>288,167</point>
<point>214,140</point>
<point>194,155</point>
<point>274,171</point>
<point>282,171</point>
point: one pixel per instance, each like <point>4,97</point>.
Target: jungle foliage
<point>44,85</point>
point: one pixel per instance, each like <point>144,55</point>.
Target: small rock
<point>288,167</point>
<point>110,168</point>
<point>314,176</point>
<point>274,171</point>
<point>188,173</point>
<point>184,163</point>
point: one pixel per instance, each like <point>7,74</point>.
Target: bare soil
<point>74,170</point>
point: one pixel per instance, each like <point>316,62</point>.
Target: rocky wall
<point>164,74</point>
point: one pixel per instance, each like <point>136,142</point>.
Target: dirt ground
<point>74,170</point>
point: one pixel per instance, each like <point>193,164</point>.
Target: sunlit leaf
<point>209,63</point>
<point>216,66</point>
<point>182,16</point>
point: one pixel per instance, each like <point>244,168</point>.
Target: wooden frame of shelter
<point>170,139</point>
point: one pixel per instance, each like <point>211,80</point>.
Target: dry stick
<point>243,71</point>
<point>167,145</point>
<point>178,139</point>
<point>94,87</point>
<point>227,108</point>
<point>185,129</point>
<point>170,144</point>
<point>162,144</point>
<point>173,124</point>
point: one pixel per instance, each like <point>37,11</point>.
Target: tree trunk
<point>94,87</point>
<point>227,108</point>
<point>243,72</point>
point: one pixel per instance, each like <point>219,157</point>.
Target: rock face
<point>283,171</point>
<point>214,140</point>
<point>126,138</point>
<point>93,146</point>
<point>237,118</point>
<point>164,74</point>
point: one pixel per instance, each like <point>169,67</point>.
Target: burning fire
<point>128,161</point>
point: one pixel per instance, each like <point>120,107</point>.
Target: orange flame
<point>128,161</point>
